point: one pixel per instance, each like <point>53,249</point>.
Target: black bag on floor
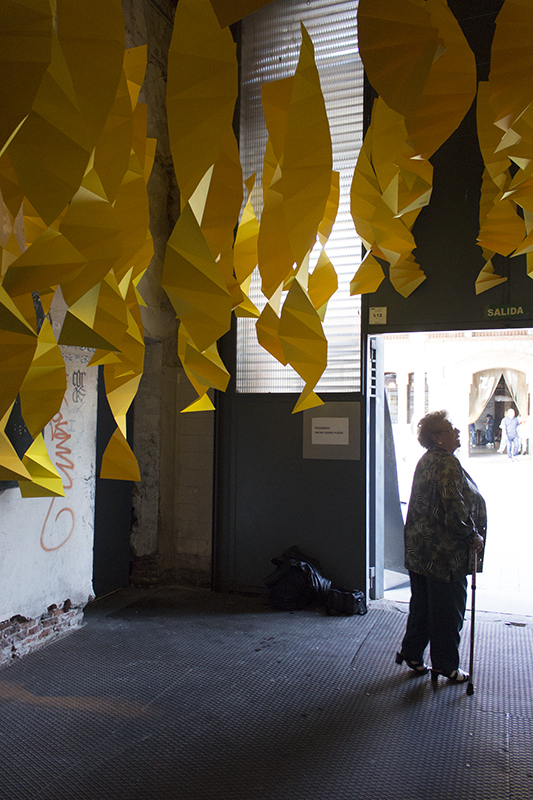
<point>297,582</point>
<point>345,603</point>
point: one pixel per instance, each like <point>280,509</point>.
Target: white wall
<point>46,544</point>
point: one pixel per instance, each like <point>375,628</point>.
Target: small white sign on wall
<point>377,315</point>
<point>330,430</point>
<point>333,431</point>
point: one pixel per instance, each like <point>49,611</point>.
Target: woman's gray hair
<point>432,423</point>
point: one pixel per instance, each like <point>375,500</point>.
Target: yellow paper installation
<point>201,92</point>
<point>388,190</point>
<point>25,54</point>
<point>505,126</point>
<point>304,343</point>
<point>205,370</point>
<point>208,267</point>
<point>417,58</point>
<point>73,177</point>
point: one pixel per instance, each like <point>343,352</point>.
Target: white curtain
<point>516,383</point>
<point>483,385</point>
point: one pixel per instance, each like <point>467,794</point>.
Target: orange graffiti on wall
<point>60,436</point>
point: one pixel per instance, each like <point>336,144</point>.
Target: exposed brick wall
<point>20,635</point>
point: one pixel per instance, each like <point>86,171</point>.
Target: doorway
<point>429,371</point>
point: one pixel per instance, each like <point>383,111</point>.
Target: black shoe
<point>457,676</point>
<point>417,666</point>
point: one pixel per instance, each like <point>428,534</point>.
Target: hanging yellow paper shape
<point>330,212</point>
<point>50,260</point>
<point>112,153</point>
<point>307,156</point>
<point>368,277</point>
<point>98,319</point>
<point>193,283</point>
<point>405,183</point>
<point>275,258</point>
<point>12,194</point>
<point>202,89</point>
<point>245,248</point>
<point>307,399</point>
<point>204,370</point>
<point>417,58</point>
<point>131,207</point>
<point>450,89</point>
<point>322,285</point>
<point>275,100</point>
<point>11,467</point>
<point>406,276</point>
<point>17,346</point>
<point>386,233</point>
<point>121,388</point>
<point>267,328</point>
<point>45,479</point>
<point>520,187</point>
<point>118,461</point>
<point>134,68</point>
<point>92,226</point>
<point>302,337</point>
<point>398,45</point>
<point>501,229</point>
<point>223,203</point>
<point>11,250</point>
<point>25,53</point>
<point>274,251</point>
<point>33,224</point>
<point>487,278</point>
<point>92,40</point>
<point>511,62</point>
<point>45,383</point>
<point>51,149</point>
<point>26,305</point>
<point>230,11</point>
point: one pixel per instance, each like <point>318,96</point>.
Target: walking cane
<point>470,687</point>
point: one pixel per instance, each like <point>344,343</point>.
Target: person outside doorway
<point>509,425</point>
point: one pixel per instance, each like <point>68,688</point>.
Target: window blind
<point>271,41</point>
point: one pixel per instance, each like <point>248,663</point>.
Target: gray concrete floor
<point>184,694</point>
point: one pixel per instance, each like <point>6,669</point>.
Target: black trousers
<point>436,614</point>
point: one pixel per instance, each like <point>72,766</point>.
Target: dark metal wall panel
<point>112,513</point>
<point>269,497</point>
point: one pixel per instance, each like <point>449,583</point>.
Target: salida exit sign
<point>506,311</point>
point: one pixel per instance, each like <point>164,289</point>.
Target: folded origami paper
<point>45,383</point>
<point>45,479</point>
<point>192,281</point>
<point>303,341</point>
<point>511,62</point>
<point>202,90</point>
<point>91,36</point>
<point>417,58</point>
<point>18,342</point>
<point>25,53</point>
<point>51,149</point>
<point>11,467</point>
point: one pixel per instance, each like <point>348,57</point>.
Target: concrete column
<point>171,519</point>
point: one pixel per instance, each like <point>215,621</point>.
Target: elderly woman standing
<point>446,521</point>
